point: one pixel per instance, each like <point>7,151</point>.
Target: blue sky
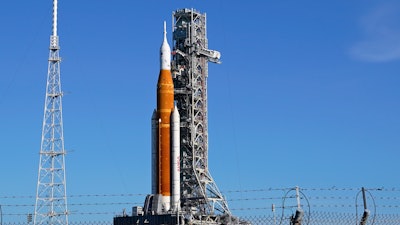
<point>307,93</point>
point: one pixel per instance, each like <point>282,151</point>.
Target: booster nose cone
<point>165,52</point>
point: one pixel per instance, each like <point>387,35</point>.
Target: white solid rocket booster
<point>175,158</point>
<point>154,153</point>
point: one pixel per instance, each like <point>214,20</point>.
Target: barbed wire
<point>78,204</point>
<point>140,203</point>
<point>70,213</point>
<point>75,196</point>
<point>231,198</point>
<point>233,209</point>
<point>392,189</point>
<point>381,189</point>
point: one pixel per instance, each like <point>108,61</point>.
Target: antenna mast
<point>51,198</point>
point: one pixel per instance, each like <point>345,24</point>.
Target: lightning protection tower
<point>200,196</point>
<point>51,200</point>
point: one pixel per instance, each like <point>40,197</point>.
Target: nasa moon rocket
<point>165,124</point>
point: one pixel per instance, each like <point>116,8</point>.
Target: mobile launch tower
<point>183,190</point>
<point>200,194</point>
<point>51,200</point>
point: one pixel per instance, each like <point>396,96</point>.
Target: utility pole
<point>366,213</point>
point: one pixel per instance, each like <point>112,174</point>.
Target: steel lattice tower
<point>51,200</point>
<point>200,196</point>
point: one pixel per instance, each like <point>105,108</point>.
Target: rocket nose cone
<point>165,52</point>
<point>154,115</point>
<point>175,114</point>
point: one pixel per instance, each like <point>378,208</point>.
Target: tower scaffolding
<point>51,200</point>
<point>200,196</point>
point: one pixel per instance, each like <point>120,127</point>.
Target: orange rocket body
<point>165,105</point>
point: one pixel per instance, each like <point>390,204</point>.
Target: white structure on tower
<point>51,198</point>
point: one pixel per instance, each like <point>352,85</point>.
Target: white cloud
<point>381,42</point>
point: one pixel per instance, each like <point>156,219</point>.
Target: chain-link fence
<point>316,218</point>
<point>70,223</point>
<point>267,206</point>
<point>327,218</point>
